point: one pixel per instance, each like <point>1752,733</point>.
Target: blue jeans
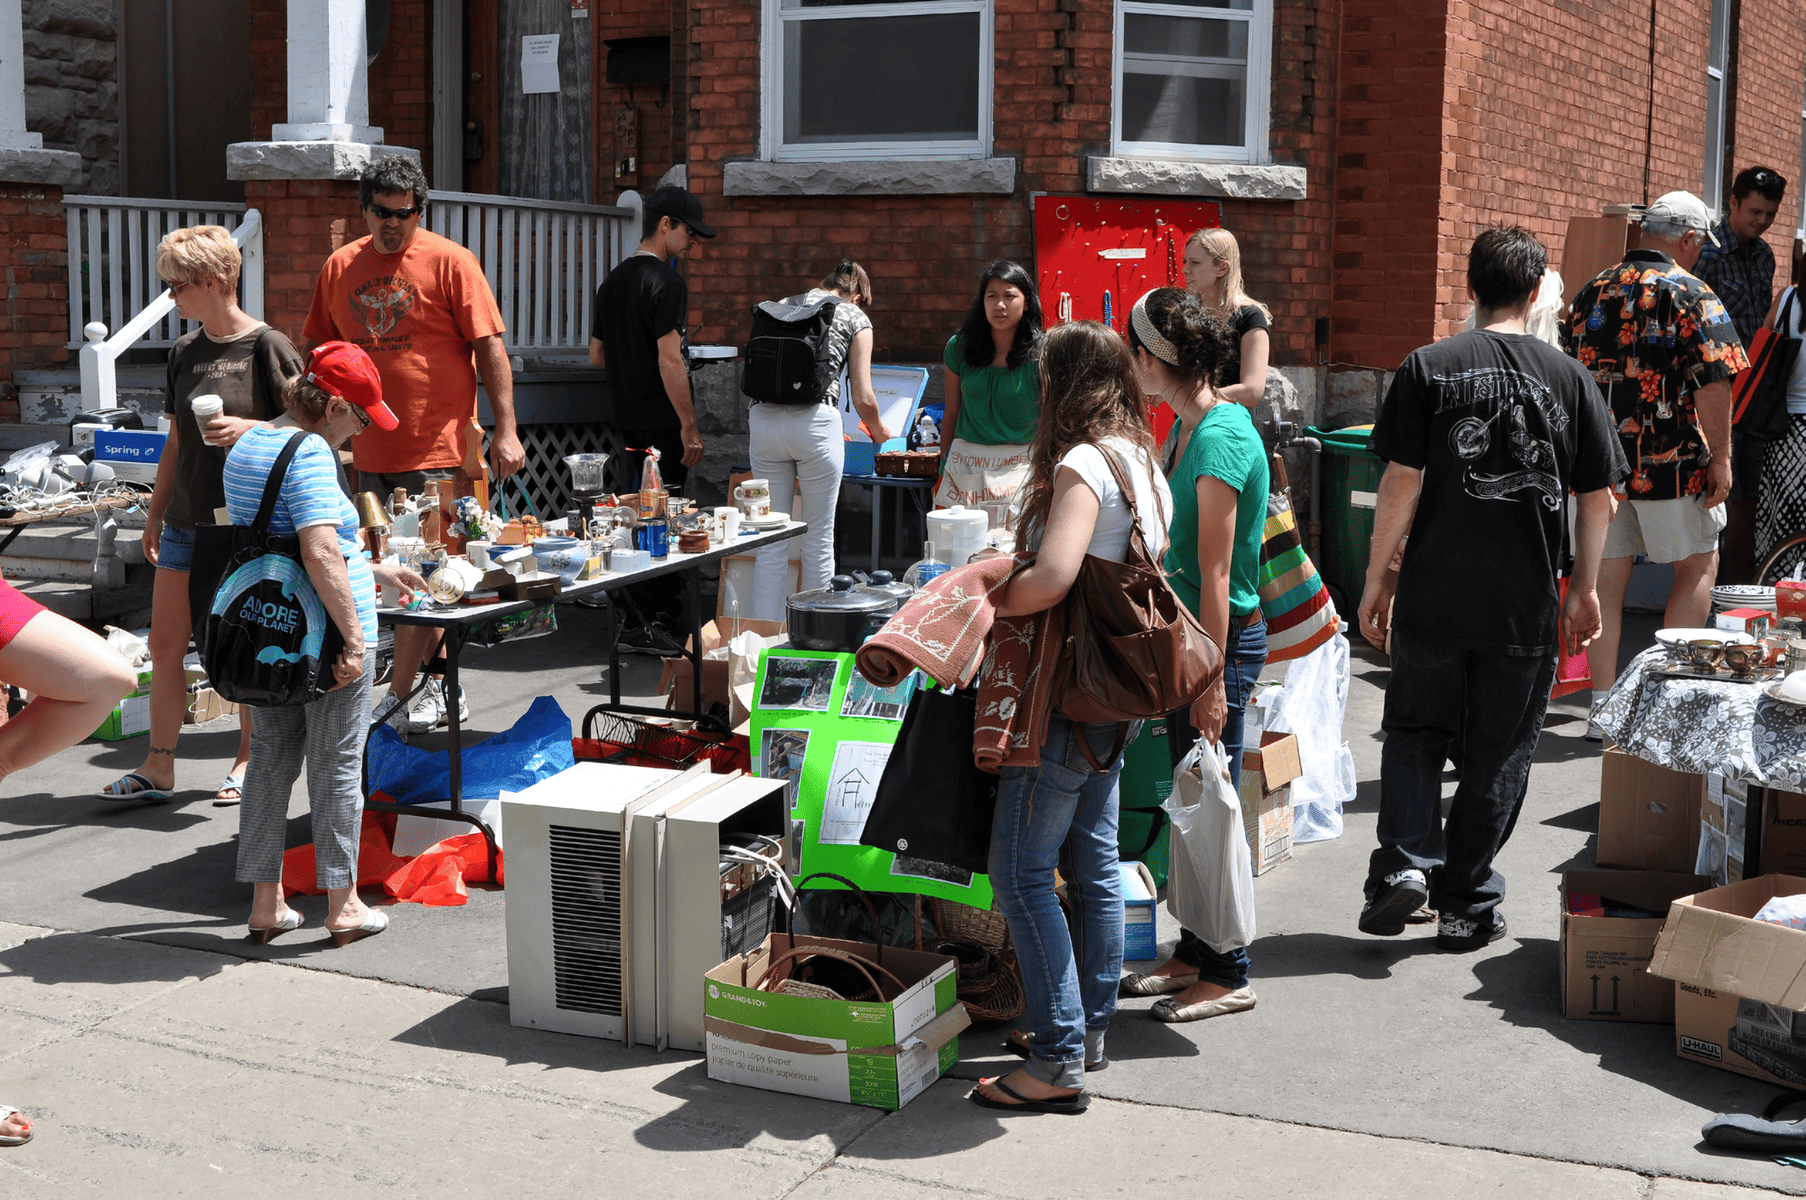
<point>1247,656</point>
<point>1493,704</point>
<point>1061,813</point>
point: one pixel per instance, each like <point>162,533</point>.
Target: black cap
<point>679,205</point>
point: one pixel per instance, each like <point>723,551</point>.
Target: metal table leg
<point>877,522</point>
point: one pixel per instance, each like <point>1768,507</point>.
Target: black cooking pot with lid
<point>838,617</point>
<point>896,589</point>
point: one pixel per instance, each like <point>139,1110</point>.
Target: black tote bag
<point>263,635</point>
<point>933,802</point>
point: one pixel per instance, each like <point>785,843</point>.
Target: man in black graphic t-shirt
<point>1484,435</point>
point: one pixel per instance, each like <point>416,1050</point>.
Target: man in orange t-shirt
<point>419,305</point>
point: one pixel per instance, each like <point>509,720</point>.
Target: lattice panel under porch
<point>547,482</point>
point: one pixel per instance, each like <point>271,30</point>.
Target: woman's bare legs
<point>170,629</point>
<point>343,908</point>
<point>75,679</point>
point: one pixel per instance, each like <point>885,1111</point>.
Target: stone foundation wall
<point>72,85</point>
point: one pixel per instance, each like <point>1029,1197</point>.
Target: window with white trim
<point>858,79</point>
<point>1192,79</point>
<point>1718,50</point>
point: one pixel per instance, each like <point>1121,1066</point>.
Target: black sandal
<point>1078,1102</point>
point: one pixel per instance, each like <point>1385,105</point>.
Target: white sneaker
<point>385,709</point>
<point>463,708</point>
<point>426,711</point>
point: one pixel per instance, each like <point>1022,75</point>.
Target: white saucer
<point>1672,637</point>
<point>1772,690</point>
<point>768,521</point>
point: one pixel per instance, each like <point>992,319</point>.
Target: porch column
<point>34,270</point>
<point>304,179</point>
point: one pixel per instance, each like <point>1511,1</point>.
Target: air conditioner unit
<point>608,914</point>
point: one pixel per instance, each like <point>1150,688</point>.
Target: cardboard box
<point>1603,957</point>
<point>416,834</point>
<point>1783,832</point>
<point>1753,621</point>
<point>1790,598</point>
<point>876,1053</point>
<point>674,681</point>
<point>205,704</point>
<point>129,718</point>
<point>1140,943</point>
<point>1764,1041</point>
<point>1266,798</point>
<point>1723,826</point>
<point>1648,815</point>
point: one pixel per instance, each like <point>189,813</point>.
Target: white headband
<point>1150,337</point>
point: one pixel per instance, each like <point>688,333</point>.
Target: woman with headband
<point>1213,273</point>
<point>805,445</point>
<point>1219,485</point>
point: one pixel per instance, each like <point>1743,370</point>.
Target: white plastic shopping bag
<point>1312,705</point>
<point>1210,882</point>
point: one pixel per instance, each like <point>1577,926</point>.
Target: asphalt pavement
<point>161,1054</point>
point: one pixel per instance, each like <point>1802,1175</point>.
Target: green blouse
<point>1224,446</point>
<point>998,406</point>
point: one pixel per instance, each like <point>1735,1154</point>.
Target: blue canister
<point>655,538</point>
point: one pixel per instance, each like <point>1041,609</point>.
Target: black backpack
<point>787,360</point>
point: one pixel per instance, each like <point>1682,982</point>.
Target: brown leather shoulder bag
<point>1133,650</point>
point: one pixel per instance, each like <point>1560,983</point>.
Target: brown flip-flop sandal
<point>1078,1102</point>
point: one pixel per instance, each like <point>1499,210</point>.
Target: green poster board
<point>819,725</point>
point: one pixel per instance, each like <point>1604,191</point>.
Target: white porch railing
<point>113,258</point>
<point>544,259</point>
<point>100,352</point>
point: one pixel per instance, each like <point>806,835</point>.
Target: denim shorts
<point>175,548</point>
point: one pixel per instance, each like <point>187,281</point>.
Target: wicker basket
<point>990,986</point>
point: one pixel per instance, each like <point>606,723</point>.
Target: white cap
<point>1681,208</point>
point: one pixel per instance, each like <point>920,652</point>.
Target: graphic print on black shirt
<point>1501,425</point>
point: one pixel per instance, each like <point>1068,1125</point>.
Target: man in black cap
<point>638,336</point>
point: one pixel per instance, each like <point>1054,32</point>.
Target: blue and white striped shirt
<point>310,495</point>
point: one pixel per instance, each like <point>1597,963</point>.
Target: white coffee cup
<point>205,409</point>
<point>730,526</point>
<point>753,498</point>
<point>478,554</point>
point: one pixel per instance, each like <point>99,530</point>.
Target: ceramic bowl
<point>562,556</point>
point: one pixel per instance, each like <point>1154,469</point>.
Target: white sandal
<point>6,1110</point>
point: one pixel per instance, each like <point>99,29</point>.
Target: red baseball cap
<point>346,372</point>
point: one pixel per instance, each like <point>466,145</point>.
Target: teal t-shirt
<point>998,406</point>
<point>1224,446</point>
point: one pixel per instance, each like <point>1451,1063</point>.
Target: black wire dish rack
<point>616,738</point>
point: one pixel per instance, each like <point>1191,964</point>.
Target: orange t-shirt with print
<point>415,313</point>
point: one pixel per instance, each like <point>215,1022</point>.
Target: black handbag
<point>933,802</point>
<point>1759,395</point>
<point>263,635</point>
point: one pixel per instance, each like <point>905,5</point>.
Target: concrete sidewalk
<point>157,1071</point>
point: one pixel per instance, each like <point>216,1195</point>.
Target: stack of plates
<point>1743,595</point>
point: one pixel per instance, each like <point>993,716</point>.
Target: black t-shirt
<point>640,302</point>
<point>1503,426</point>
<point>1247,317</point>
<point>247,373</point>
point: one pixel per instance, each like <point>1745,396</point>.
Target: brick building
<point>1354,146</point>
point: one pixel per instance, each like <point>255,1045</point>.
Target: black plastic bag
<point>263,634</point>
<point>933,802</point>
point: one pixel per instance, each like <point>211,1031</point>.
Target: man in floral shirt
<point>1663,351</point>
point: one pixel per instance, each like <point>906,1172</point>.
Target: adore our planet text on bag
<point>270,615</point>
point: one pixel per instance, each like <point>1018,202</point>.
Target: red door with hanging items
<point>1095,257</point>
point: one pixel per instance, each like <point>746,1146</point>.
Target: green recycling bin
<point>1351,483</point>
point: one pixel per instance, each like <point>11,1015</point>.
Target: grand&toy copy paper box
<point>1783,832</point>
<point>1605,953</point>
<point>1139,898</point>
<point>877,1053</point>
<point>1648,815</point>
<point>1740,982</point>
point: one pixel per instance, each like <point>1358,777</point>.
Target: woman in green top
<point>993,396</point>
<point>1219,481</point>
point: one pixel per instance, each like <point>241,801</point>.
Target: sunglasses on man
<point>395,214</point>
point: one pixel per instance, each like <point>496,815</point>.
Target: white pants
<point>796,445</point>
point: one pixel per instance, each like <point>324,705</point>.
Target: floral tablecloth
<point>1700,725</point>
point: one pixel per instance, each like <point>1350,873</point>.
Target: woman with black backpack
<point>805,445</point>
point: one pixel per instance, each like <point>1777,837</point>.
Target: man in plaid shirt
<point>1741,272</point>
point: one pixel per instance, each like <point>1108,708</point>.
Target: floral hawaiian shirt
<point>1652,335</point>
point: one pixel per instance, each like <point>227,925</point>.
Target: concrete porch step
<point>54,397</point>
<point>128,607</point>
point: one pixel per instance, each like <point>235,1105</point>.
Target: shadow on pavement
<point>84,958</point>
<point>1303,954</point>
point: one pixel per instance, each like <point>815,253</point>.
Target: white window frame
<point>1254,148</point>
<point>1718,57</point>
<point>771,85</point>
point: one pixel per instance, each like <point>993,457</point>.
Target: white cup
<point>478,554</point>
<point>718,525</point>
<point>205,409</point>
<point>730,526</point>
<point>753,497</point>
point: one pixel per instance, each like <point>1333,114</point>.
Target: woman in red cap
<point>337,396</point>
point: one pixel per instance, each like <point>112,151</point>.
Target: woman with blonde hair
<point>1213,273</point>
<point>243,362</point>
